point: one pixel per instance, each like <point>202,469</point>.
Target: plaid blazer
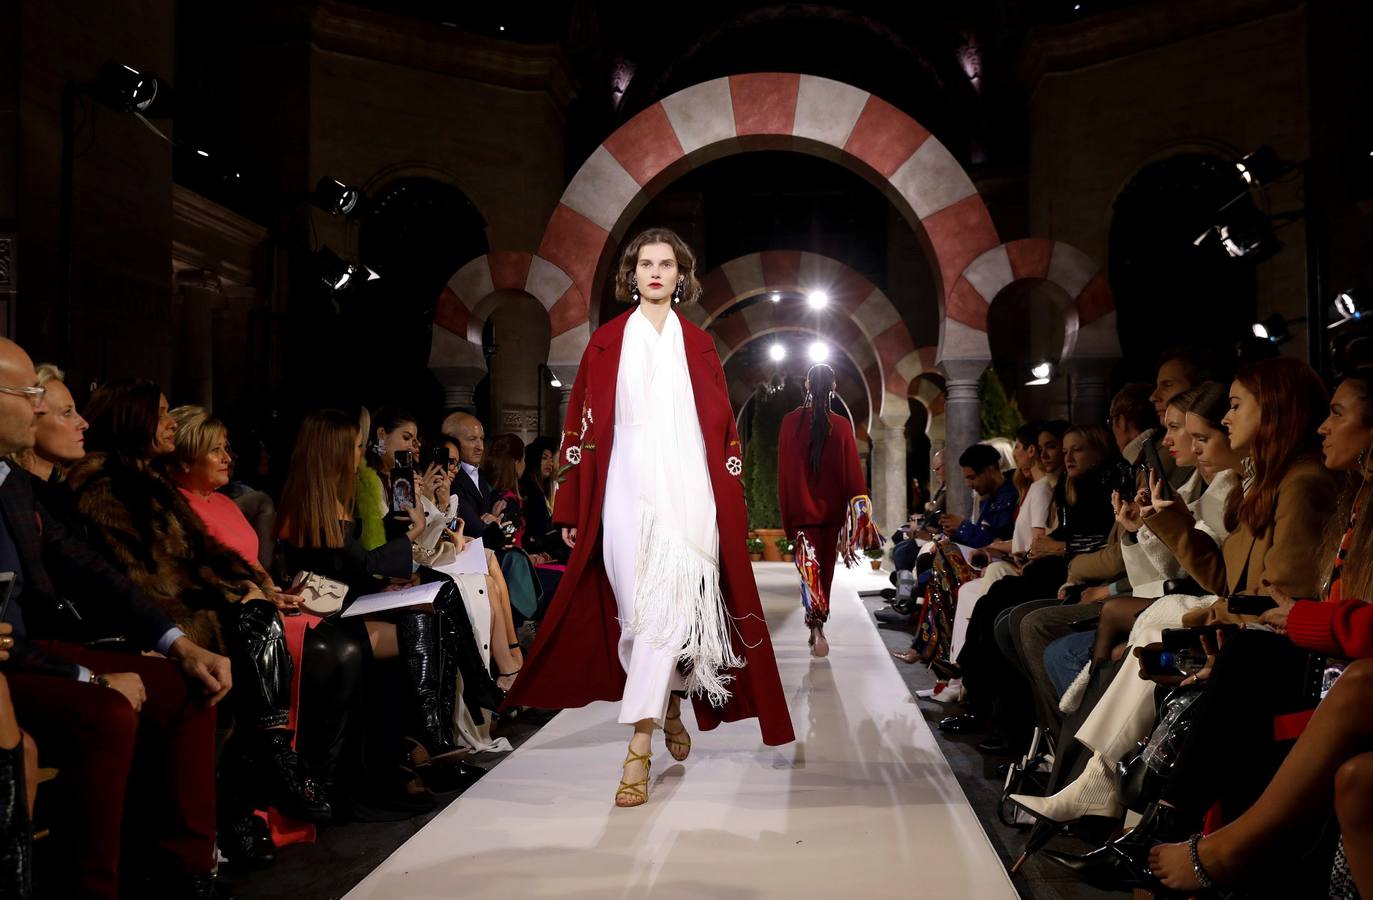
<point>58,566</point>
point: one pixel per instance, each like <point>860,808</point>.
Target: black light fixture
<point>1352,305</point>
<point>128,90</point>
<point>1243,231</point>
<point>336,198</point>
<point>552,377</point>
<point>1262,167</point>
<point>338,273</point>
<point>1274,329</point>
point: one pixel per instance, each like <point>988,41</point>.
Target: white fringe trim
<point>677,588</point>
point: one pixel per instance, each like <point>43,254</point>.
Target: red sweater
<point>809,499</point>
<point>1337,627</point>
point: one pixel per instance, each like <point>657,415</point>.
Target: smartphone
<point>403,482</point>
<point>1250,604</point>
<point>436,456</point>
<point>1155,464</point>
<point>6,589</point>
<point>1180,639</point>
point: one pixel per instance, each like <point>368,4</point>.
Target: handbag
<point>319,595</point>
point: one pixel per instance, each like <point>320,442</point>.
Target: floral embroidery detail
<point>574,455</point>
<point>734,466</point>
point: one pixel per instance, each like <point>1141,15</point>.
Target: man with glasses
<point>98,715</point>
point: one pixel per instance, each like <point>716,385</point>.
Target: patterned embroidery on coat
<point>734,466</point>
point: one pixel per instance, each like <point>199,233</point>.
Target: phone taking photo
<point>1155,464</point>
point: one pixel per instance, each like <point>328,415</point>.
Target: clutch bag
<point>321,596</point>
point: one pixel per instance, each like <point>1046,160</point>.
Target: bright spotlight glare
<point>1042,370</point>
<point>819,351</point>
<point>818,299</point>
<point>777,353</point>
<point>776,297</point>
<point>1261,331</point>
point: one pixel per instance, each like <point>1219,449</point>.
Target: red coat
<point>575,658</point>
<point>804,497</point>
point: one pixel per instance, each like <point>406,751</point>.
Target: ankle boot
<point>246,841</point>
<point>422,648</point>
<point>262,770</point>
<point>1093,793</point>
<point>16,833</point>
<point>1124,862</point>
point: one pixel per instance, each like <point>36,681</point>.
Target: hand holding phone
<point>1163,490</point>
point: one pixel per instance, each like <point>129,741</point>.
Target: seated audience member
<point>395,429</point>
<point>1081,499</point>
<point>59,441</point>
<point>85,710</point>
<point>1277,527</point>
<point>252,461</point>
<point>481,511</point>
<point>502,467</point>
<point>907,541</point>
<point>331,660</point>
<point>537,486</point>
<point>320,531</point>
<point>144,526</point>
<point>995,519</point>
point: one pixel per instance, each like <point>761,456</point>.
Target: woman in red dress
<point>823,496</point>
<point>658,600</point>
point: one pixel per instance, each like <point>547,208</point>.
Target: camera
<point>1123,478</point>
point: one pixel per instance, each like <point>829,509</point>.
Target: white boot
<point>1093,793</point>
<point>943,692</point>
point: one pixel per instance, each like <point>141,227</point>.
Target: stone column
<point>564,398</point>
<point>198,293</point>
<point>1089,388</point>
<point>962,424</point>
<point>459,386</point>
<point>888,474</point>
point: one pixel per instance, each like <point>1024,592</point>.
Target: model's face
<point>1175,437</point>
<point>404,436</point>
<point>1210,445</point>
<point>547,460</point>
<point>1050,452</point>
<point>1172,380</point>
<point>165,441</point>
<point>656,274</point>
<point>1243,419</point>
<point>211,471</point>
<point>61,432</point>
<point>1343,433</point>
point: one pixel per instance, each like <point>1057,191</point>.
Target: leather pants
<point>331,669</point>
<point>261,665</point>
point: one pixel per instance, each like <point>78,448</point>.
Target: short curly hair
<point>629,259</point>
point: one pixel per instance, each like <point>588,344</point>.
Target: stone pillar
<point>888,474</point>
<point>459,386</point>
<point>459,397</point>
<point>1089,388</point>
<point>962,424</point>
<point>564,398</point>
<point>198,294</point>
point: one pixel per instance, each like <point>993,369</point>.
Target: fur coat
<point>142,524</point>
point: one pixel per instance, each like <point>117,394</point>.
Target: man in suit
<point>481,517</point>
<point>105,719</point>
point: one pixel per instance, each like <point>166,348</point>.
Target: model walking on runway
<point>823,497</point>
<point>658,601</point>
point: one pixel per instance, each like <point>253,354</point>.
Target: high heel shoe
<point>819,647</point>
<point>677,739</point>
<point>1124,862</point>
<point>1093,793</point>
<point>636,791</point>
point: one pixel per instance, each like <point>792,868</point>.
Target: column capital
<point>962,371</point>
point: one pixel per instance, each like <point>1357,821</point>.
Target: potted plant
<point>755,548</point>
<point>787,548</point>
<point>770,403</point>
<point>874,555</point>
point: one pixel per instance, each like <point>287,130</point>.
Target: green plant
<point>785,545</point>
<point>999,413</point>
<point>770,404</point>
<point>755,546</point>
<point>874,553</point>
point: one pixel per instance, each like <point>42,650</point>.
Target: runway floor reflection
<point>862,804</point>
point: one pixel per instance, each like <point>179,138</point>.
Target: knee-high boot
<point>16,833</point>
<point>421,647</point>
<point>479,689</point>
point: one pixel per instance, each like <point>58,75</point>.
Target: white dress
<point>654,438</point>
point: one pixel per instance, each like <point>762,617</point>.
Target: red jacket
<point>1343,628</point>
<point>574,660</point>
<point>805,497</point>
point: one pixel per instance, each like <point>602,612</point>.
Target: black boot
<point>421,647</point>
<point>1124,862</point>
<point>479,690</point>
<point>246,841</point>
<point>261,666</point>
<point>16,833</point>
<point>261,770</point>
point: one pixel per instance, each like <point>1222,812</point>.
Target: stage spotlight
<point>126,89</point>
<point>1244,232</point>
<point>337,273</point>
<point>1274,329</point>
<point>1041,373</point>
<point>818,299</point>
<point>777,353</point>
<point>819,352</point>
<point>776,297</point>
<point>553,380</point>
<point>1263,166</point>
<point>335,197</point>
<point>1352,305</point>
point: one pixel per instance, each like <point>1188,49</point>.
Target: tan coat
<point>1286,554</point>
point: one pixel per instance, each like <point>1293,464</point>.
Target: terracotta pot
<point>788,557</point>
<point>876,565</point>
<point>770,536</point>
<point>756,557</point>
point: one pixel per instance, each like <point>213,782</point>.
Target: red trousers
<point>157,763</point>
<point>825,540</point>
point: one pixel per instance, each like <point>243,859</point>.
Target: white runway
<point>862,805</point>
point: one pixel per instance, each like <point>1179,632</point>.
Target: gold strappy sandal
<point>678,742</point>
<point>637,791</point>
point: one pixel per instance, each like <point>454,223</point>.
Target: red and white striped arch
<point>852,297</point>
<point>1090,320</point>
<point>779,111</point>
<point>467,300</point>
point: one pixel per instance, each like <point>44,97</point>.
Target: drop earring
<point>677,294</point>
<point>634,293</point>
